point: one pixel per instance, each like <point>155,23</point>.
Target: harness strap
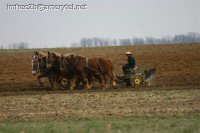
<point>75,65</point>
<point>52,64</point>
<point>100,65</point>
<point>101,69</point>
<point>88,67</point>
<point>47,61</point>
<point>43,69</point>
<point>95,70</point>
<point>92,69</point>
<point>86,62</point>
<point>38,67</point>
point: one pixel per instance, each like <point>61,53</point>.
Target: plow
<point>137,76</point>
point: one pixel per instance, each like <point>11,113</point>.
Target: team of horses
<point>76,69</point>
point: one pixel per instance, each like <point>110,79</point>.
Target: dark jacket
<point>131,60</point>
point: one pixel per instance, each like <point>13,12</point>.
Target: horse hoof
<point>115,87</point>
<point>71,88</point>
<point>103,89</point>
<point>40,85</point>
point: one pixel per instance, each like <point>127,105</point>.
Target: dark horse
<point>39,66</point>
<point>53,61</point>
<point>86,69</point>
<point>73,69</point>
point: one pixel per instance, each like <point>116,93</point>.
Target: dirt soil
<point>174,89</point>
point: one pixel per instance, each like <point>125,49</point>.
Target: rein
<point>47,61</point>
<point>38,67</point>
<point>101,69</point>
<point>99,65</point>
<point>87,66</point>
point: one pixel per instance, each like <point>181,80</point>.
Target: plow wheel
<point>137,80</point>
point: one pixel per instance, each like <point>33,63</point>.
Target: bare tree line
<point>190,37</point>
<point>21,45</point>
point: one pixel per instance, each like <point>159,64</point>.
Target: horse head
<point>67,61</point>
<point>38,61</point>
<point>53,59</point>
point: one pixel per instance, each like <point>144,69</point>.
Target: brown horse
<point>53,61</point>
<point>39,66</point>
<point>104,70</point>
<point>74,66</point>
<point>86,69</point>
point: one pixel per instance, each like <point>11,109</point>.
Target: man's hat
<point>128,53</point>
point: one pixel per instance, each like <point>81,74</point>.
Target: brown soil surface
<point>177,65</point>
<point>174,89</point>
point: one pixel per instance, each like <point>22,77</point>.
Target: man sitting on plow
<point>130,65</point>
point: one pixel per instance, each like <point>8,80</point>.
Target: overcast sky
<point>103,19</point>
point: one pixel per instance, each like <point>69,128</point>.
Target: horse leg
<point>59,81</point>
<point>113,78</point>
<point>90,80</point>
<point>78,81</point>
<point>106,78</point>
<point>51,82</point>
<point>85,80</point>
<point>102,82</point>
<point>68,82</point>
<point>39,80</point>
<point>111,75</point>
<point>73,82</point>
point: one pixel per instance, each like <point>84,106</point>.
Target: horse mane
<point>42,53</point>
<point>57,54</point>
<point>69,54</point>
<point>82,56</point>
<point>73,54</point>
